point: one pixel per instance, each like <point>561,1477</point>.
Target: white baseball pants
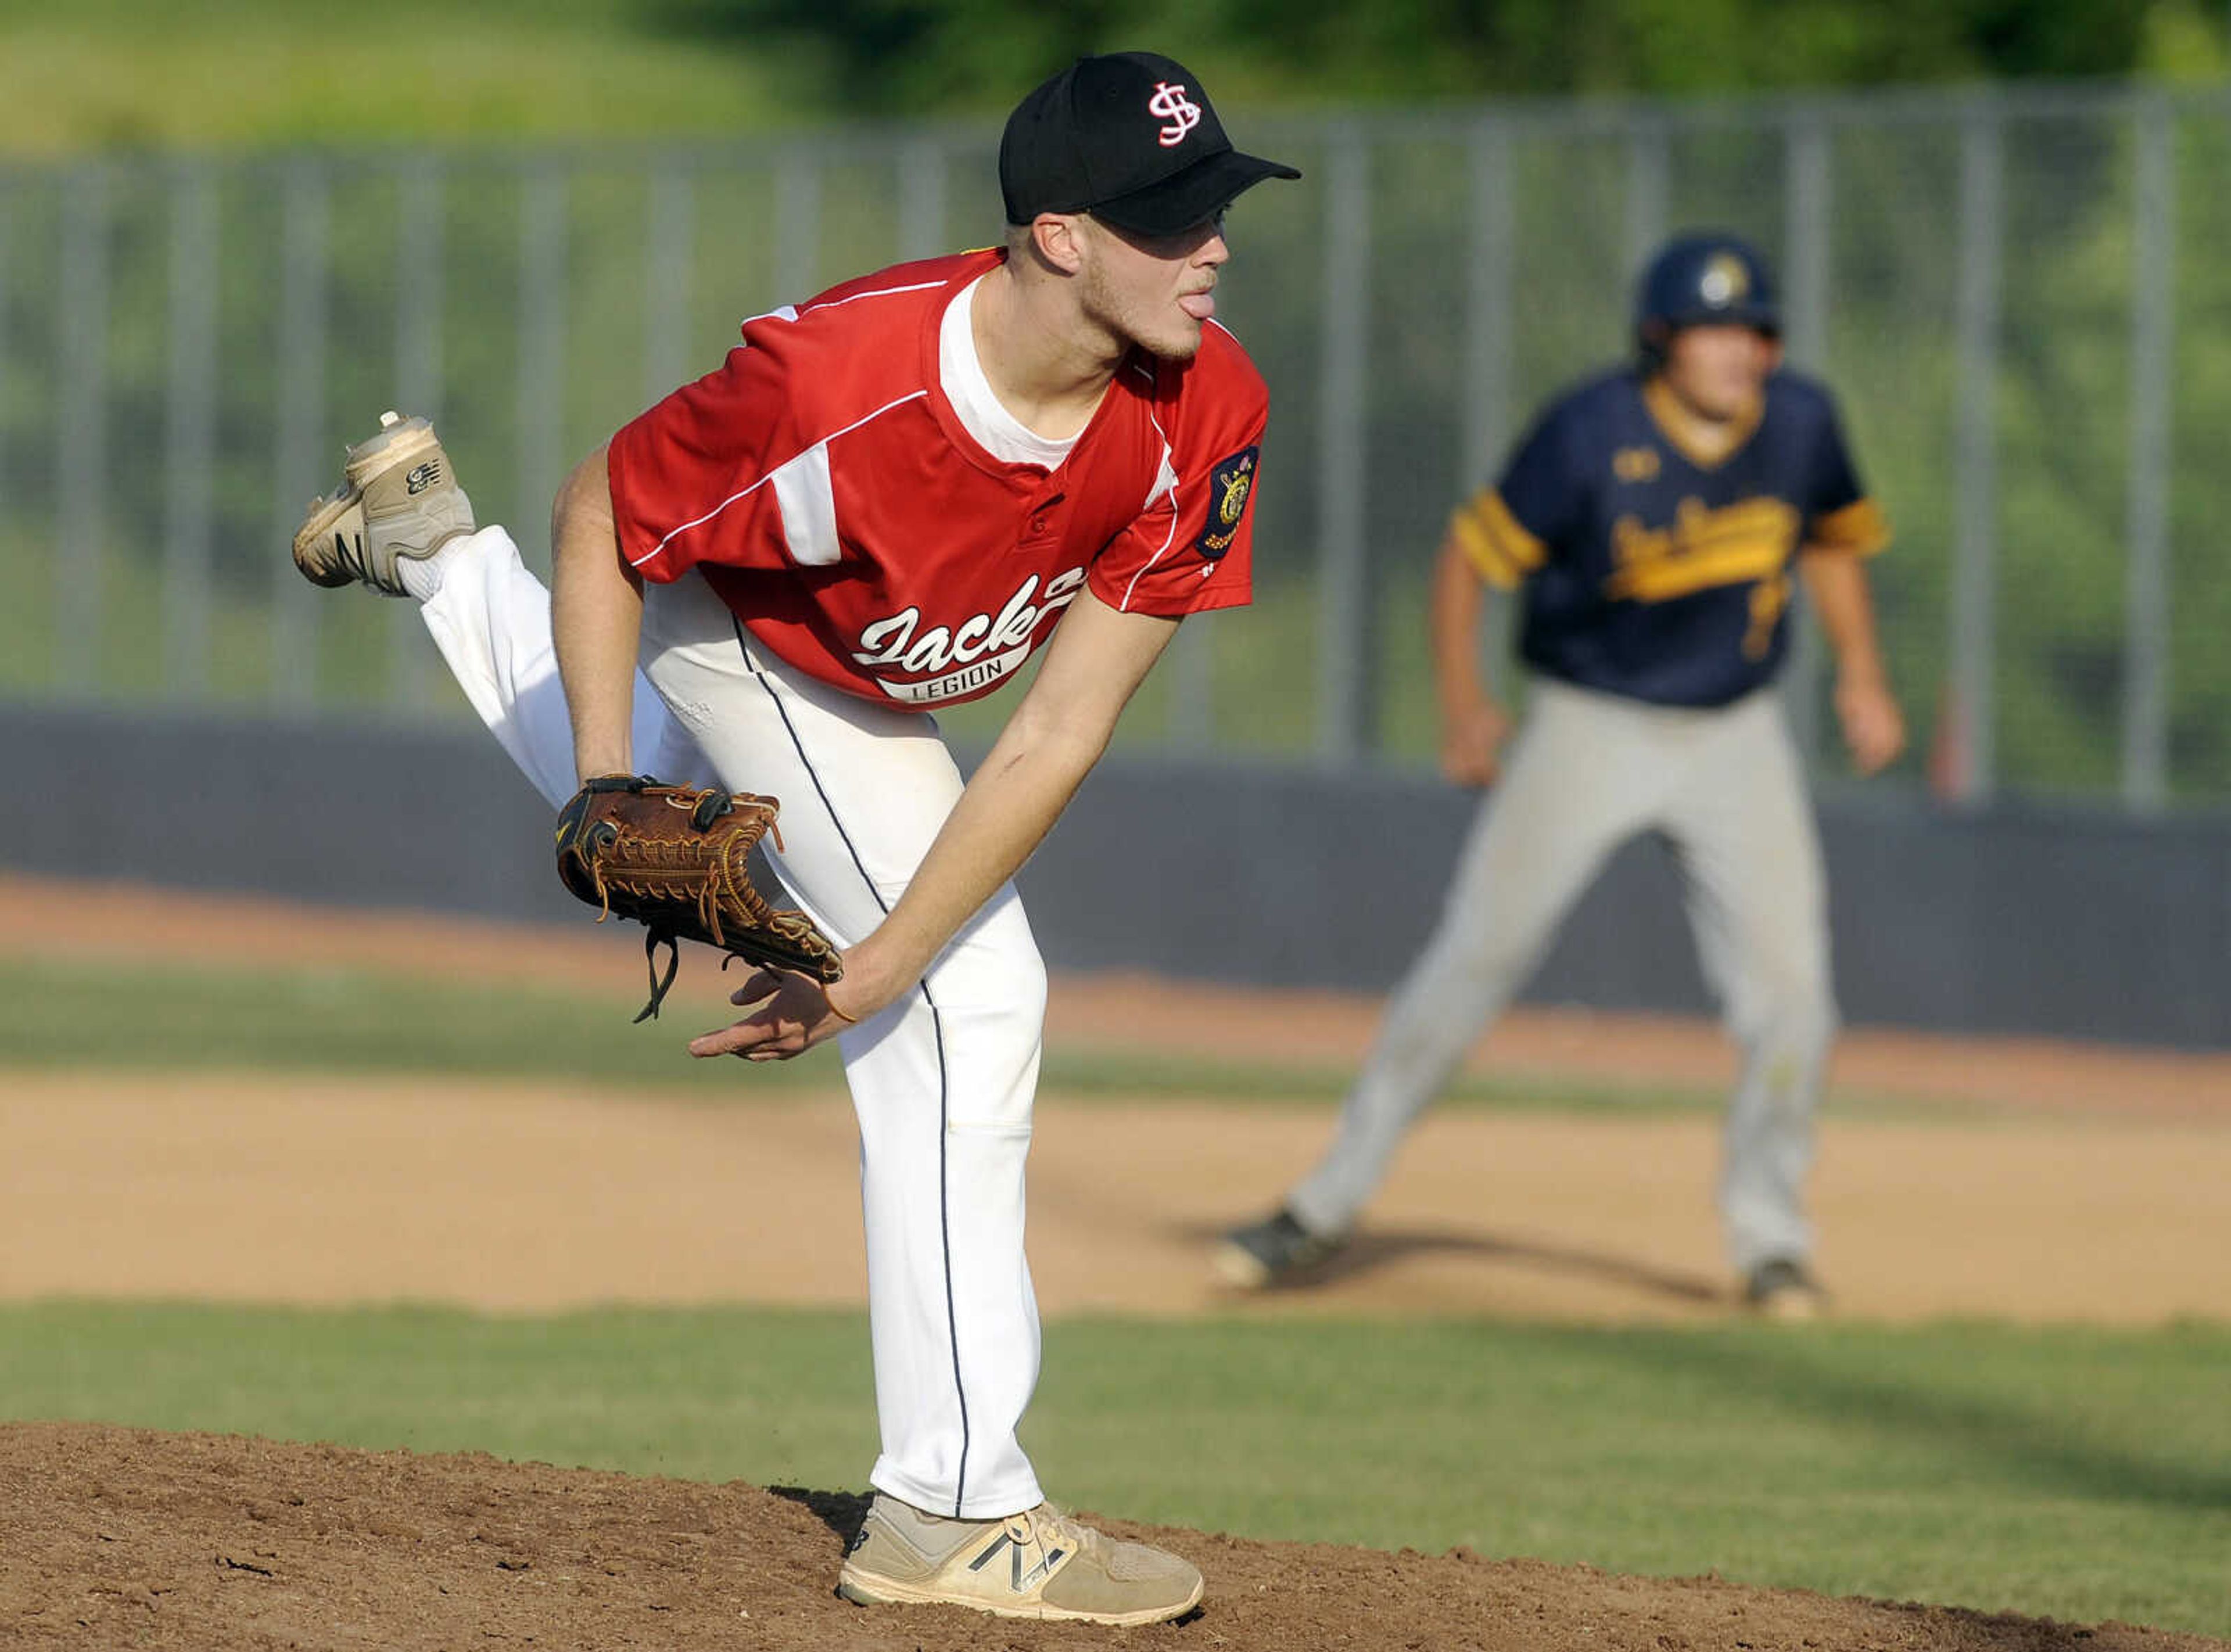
<point>942,1082</point>
<point>1588,771</point>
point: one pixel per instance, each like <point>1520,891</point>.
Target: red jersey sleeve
<point>693,479</point>
<point>1192,548</point>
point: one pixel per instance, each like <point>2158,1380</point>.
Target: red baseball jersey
<point>825,486</point>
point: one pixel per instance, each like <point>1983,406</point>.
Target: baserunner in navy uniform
<point>1657,518</point>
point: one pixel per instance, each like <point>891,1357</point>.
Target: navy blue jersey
<point>1652,575</point>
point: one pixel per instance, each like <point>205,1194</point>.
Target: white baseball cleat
<point>397,499</point>
<point>1037,1563</point>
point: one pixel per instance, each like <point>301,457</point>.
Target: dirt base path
<point>111,1538</point>
<point>286,1189</point>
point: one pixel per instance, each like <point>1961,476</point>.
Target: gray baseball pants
<point>1588,771</point>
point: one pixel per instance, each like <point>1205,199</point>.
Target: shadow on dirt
<point>842,1512</point>
<point>1374,1249</point>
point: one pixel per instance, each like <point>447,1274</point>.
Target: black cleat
<point>1275,1251</point>
<point>1784,1288</point>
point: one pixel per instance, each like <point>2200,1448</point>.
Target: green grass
<point>70,1013</point>
<point>221,1016</point>
<point>67,1013</point>
<point>2085,1475</point>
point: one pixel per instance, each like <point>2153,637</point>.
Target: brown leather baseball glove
<point>676,860</point>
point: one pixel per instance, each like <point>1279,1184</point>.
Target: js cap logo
<point>1170,103</point>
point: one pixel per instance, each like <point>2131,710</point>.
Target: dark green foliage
<point>916,55</point>
<point>891,55</point>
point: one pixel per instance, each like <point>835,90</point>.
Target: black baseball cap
<point>1129,138</point>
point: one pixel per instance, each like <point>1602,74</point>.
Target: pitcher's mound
<point>125,1537</point>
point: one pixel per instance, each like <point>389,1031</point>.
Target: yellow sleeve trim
<point>1501,550</point>
<point>1858,530</point>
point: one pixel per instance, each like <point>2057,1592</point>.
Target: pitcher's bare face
<point>1154,291</point>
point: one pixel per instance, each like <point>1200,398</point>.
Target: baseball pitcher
<point>887,499</point>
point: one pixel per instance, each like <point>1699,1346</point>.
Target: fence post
<point>80,434</point>
<point>669,235</point>
<point>1972,706</point>
<point>189,435</point>
<point>1346,612</point>
<point>419,289</point>
<point>1807,185</point>
<point>419,294</point>
<point>798,225</point>
<point>2146,604</point>
<point>299,463</point>
<point>542,258</point>
<point>7,248</point>
<point>921,200</point>
<point>1484,424</point>
<point>1189,723</point>
<point>1649,189</point>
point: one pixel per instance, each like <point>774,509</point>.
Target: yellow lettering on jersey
<point>1751,539</point>
<point>1768,599</point>
<point>1635,464</point>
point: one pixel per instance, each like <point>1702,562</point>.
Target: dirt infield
<point>259,1189</point>
<point>2057,1183</point>
<point>111,1538</point>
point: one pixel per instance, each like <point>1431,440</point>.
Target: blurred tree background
<point>916,56</point>
<point>137,74</point>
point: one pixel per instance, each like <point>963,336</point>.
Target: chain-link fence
<point>2020,298</point>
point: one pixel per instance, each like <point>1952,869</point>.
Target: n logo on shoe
<point>1018,1580</point>
<point>423,477</point>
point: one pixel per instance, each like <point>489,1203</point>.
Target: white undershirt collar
<point>960,374</point>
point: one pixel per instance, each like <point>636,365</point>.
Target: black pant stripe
<point>937,1028</point>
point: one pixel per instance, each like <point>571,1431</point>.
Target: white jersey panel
<point>808,501</point>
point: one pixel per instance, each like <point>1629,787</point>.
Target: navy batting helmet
<point>1703,279</point>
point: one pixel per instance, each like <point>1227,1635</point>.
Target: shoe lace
<point>1050,1526</point>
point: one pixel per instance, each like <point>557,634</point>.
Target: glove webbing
<point>684,868</point>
